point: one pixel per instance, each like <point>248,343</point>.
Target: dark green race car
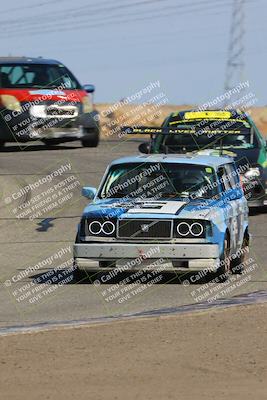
<point>228,132</point>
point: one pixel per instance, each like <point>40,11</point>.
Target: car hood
<point>158,209</point>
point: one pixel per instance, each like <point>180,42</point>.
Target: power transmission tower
<point>235,63</point>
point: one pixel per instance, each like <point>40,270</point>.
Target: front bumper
<point>192,256</point>
<point>24,127</point>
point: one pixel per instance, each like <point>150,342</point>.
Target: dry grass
<point>147,115</point>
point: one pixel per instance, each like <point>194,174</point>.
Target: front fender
<point>219,219</point>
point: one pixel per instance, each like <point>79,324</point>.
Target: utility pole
<point>236,64</point>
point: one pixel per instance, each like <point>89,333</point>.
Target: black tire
<point>222,273</point>
<point>51,142</point>
<point>107,264</point>
<point>2,144</point>
<point>92,141</point>
<point>237,264</point>
<point>77,274</point>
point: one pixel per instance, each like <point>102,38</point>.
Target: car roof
<point>193,159</point>
<point>27,60</point>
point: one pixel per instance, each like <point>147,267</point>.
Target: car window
<point>36,76</point>
<point>232,176</point>
<point>224,179</point>
<point>166,180</point>
<point>195,135</point>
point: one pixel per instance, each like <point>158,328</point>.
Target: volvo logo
<point>144,227</point>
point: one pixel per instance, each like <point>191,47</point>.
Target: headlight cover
<point>98,227</point>
<point>192,229</point>
<point>10,102</point>
<point>87,104</point>
<point>252,173</point>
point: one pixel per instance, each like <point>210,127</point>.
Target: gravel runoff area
<point>219,354</point>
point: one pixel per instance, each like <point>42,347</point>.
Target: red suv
<point>42,100</point>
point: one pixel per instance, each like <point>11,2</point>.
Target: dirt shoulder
<point>212,355</point>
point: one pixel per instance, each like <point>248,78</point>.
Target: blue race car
<point>188,210</point>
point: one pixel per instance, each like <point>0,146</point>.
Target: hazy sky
<point>122,45</point>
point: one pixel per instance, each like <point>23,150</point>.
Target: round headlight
<point>10,102</point>
<point>183,228</point>
<point>252,173</point>
<point>87,105</point>
<point>196,229</point>
<point>95,227</point>
<point>108,228</point>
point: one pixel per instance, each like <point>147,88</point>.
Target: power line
<point>76,11</point>
<point>31,6</point>
<point>79,25</point>
<point>235,63</point>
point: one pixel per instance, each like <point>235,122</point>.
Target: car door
<point>232,206</point>
<point>240,201</point>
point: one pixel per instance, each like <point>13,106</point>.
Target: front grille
<point>64,111</point>
<point>144,229</point>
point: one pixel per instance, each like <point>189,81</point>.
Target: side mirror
<point>89,88</point>
<point>89,192</point>
<point>144,148</point>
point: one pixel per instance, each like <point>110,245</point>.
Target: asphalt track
<point>34,296</point>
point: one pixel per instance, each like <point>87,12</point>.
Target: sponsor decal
<point>47,92</point>
<point>208,114</point>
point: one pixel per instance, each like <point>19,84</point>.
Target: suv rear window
<point>19,76</point>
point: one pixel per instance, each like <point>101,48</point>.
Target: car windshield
<point>40,76</point>
<point>159,180</point>
<point>214,134</point>
<point>190,142</point>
